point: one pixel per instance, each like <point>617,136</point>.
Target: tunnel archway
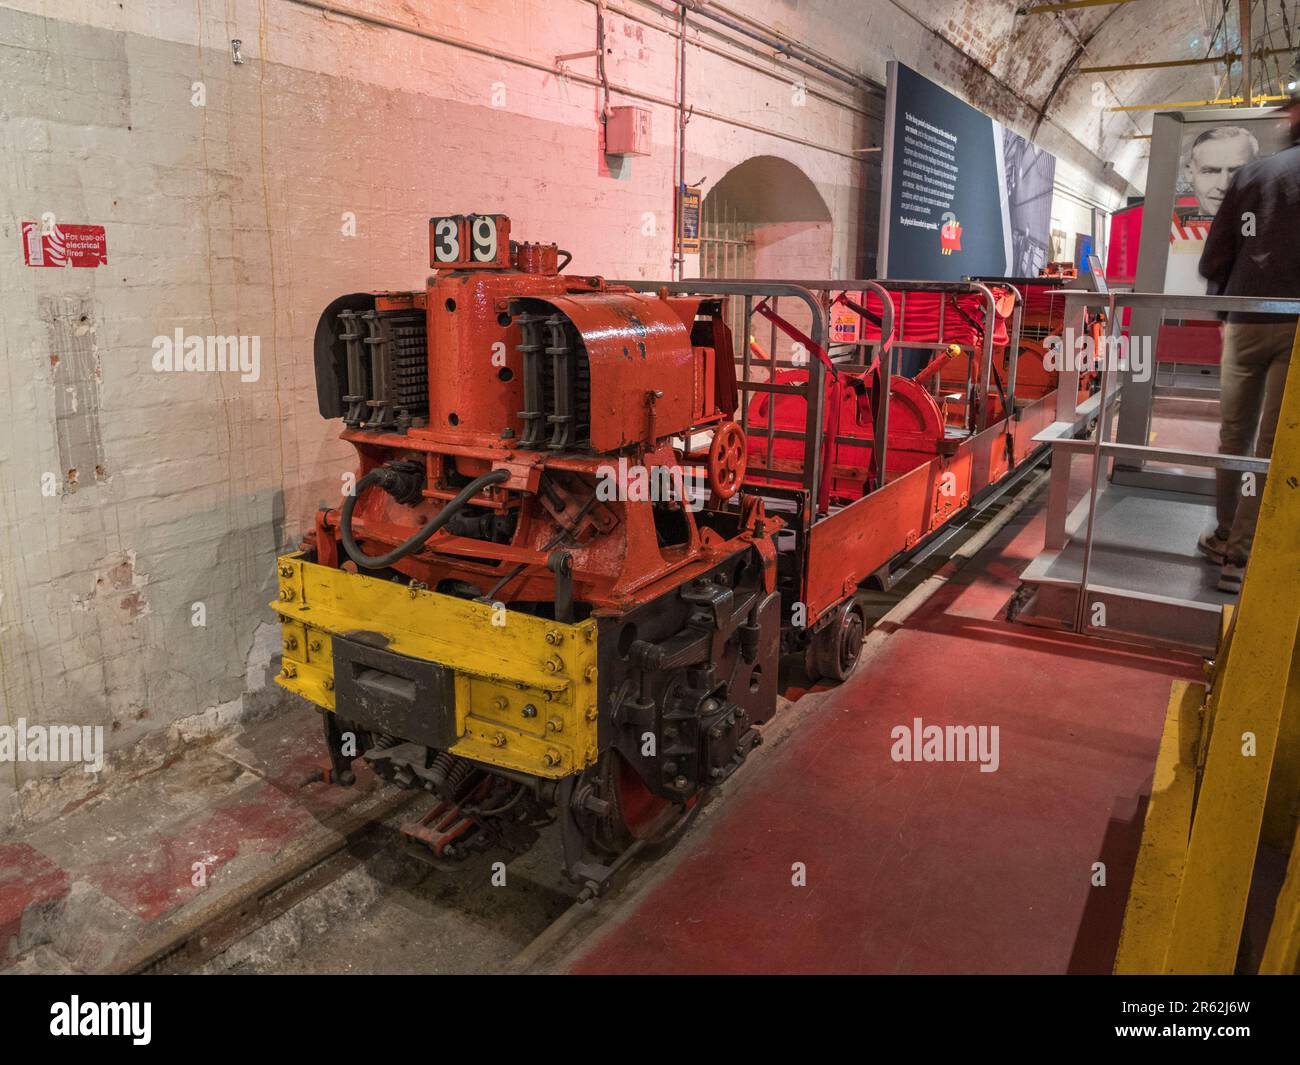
<point>765,218</point>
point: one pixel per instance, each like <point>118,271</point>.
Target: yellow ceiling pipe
<point>1227,57</point>
<point>1227,101</point>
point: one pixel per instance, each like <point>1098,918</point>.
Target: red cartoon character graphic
<point>950,234</point>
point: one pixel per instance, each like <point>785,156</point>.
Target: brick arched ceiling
<point>1030,67</point>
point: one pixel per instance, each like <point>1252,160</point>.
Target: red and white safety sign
<point>844,321</point>
<point>65,245</point>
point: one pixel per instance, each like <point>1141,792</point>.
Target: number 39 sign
<point>466,241</point>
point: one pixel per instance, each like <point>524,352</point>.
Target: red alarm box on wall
<point>627,131</point>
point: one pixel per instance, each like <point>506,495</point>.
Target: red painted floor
<point>927,867</point>
<point>114,871</point>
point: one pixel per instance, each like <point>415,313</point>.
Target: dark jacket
<point>1267,263</point>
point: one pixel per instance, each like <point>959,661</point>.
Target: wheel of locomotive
<point>635,814</point>
<point>834,650</point>
<point>727,460</point>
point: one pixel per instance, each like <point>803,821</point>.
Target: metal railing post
<point>1094,474</point>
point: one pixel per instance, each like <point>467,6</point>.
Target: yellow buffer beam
<point>525,686</point>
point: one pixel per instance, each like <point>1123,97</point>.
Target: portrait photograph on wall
<point>1210,154</point>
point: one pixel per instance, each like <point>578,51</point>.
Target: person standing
<point>1253,249</point>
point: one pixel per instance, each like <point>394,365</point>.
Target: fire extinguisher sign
<point>64,245</point>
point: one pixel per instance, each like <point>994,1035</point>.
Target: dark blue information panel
<point>964,195</point>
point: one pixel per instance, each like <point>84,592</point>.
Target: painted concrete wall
<point>238,200</point>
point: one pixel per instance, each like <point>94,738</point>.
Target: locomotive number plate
<point>469,241</point>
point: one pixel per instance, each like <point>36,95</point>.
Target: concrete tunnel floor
<point>908,867</point>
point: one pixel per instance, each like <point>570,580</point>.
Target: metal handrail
<point>1173,302</point>
<point>991,312</point>
<point>816,458</point>
<point>708,286</point>
<point>1101,446</point>
<point>1017,323</point>
<point>884,289</point>
<point>880,442</point>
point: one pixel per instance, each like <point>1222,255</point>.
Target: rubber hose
<point>415,542</point>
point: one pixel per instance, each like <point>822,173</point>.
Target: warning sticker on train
<point>64,245</point>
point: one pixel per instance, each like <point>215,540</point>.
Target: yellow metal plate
<point>1282,950</point>
<point>1149,914</point>
<point>1249,724</point>
<point>525,686</point>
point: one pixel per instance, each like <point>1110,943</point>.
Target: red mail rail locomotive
<point>572,557</point>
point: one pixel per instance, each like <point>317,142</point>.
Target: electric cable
<point>449,510</point>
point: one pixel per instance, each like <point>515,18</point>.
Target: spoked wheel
<point>727,460</point>
<point>636,815</point>
<point>834,651</point>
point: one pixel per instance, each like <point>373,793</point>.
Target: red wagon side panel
<point>850,545</point>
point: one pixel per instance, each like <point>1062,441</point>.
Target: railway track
<point>543,915</point>
<point>301,872</point>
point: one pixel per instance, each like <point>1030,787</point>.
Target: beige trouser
<point>1252,376</point>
